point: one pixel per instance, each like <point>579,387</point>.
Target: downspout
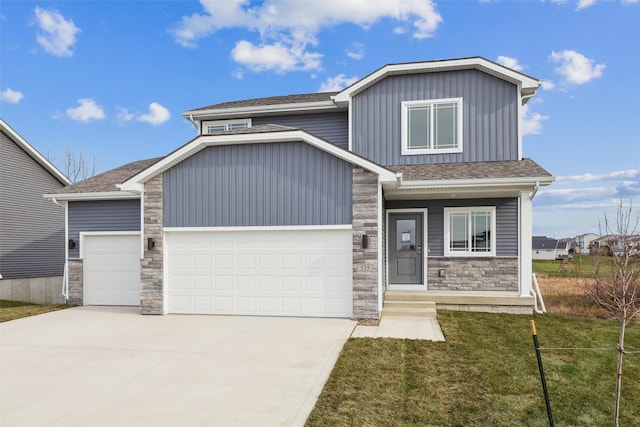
<point>193,122</point>
<point>535,190</point>
<point>65,270</point>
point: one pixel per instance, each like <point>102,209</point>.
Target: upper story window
<point>432,127</point>
<point>470,231</point>
<point>218,126</point>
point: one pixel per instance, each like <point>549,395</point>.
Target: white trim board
<point>262,228</point>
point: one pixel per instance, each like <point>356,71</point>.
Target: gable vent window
<point>225,125</point>
<point>432,127</point>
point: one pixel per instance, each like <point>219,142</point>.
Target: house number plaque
<point>365,267</point>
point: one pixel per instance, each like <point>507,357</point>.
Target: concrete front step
<point>408,312</point>
<point>420,305</point>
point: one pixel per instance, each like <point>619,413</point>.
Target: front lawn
<point>484,374</point>
<point>10,310</point>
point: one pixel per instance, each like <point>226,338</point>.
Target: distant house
<point>580,244</point>
<point>550,249</point>
<point>32,253</point>
<point>613,243</point>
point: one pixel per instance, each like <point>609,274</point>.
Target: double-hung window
<point>431,127</point>
<point>218,126</point>
<point>470,231</point>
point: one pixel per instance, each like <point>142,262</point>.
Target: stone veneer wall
<point>151,266</point>
<point>365,261</point>
<point>74,279</point>
<point>473,274</point>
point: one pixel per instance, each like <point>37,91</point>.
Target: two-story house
<point>411,180</point>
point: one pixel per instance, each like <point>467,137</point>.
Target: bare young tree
<point>76,166</point>
<point>616,284</point>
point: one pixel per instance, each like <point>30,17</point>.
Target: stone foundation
<point>473,274</point>
<point>37,290</point>
<point>75,279</point>
<point>365,261</point>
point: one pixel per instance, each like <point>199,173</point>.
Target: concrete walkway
<point>99,366</point>
<point>416,328</point>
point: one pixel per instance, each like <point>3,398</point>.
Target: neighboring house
<point>411,179</point>
<point>545,248</point>
<point>580,244</point>
<point>32,241</point>
<point>613,243</point>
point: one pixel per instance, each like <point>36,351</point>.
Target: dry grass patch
<point>11,310</point>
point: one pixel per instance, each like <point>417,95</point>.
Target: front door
<point>405,248</point>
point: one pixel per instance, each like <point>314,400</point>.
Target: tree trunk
<point>623,323</point>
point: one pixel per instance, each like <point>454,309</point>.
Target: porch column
<point>526,227</point>
<point>151,265</point>
<point>365,255</point>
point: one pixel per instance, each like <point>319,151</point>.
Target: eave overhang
<point>527,84</point>
<point>102,195</point>
<point>462,188</point>
<point>260,110</point>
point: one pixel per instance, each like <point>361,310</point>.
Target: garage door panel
<point>111,269</point>
<point>291,273</point>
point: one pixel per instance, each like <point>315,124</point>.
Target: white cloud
<point>548,85</point>
<point>337,83</point>
<point>87,111</point>
<point>509,63</point>
<point>356,51</point>
<point>576,68</point>
<point>275,57</point>
<point>57,35</point>
<point>531,122</point>
<point>124,115</point>
<point>157,115</point>
<point>288,29</point>
<point>583,4</point>
<point>589,177</point>
<point>11,96</point>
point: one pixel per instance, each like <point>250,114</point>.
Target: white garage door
<point>281,273</point>
<point>111,269</point>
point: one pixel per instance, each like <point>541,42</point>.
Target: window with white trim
<point>470,231</point>
<point>218,126</point>
<point>432,127</point>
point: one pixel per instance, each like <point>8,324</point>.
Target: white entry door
<point>277,273</point>
<point>111,269</point>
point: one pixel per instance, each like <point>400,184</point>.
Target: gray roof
<point>543,242</point>
<point>525,168</point>
<point>272,100</point>
<point>107,181</point>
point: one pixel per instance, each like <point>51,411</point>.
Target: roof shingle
<point>525,168</point>
<point>272,100</point>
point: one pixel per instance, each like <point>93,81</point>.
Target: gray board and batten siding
<point>31,227</point>
<point>506,221</point>
<point>102,215</point>
<point>274,184</point>
<point>490,116</point>
<point>332,127</point>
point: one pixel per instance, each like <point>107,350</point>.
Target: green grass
<point>580,267</point>
<point>11,310</point>
<point>484,374</point>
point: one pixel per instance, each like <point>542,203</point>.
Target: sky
<point>111,78</point>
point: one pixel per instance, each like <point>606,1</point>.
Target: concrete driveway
<point>110,366</point>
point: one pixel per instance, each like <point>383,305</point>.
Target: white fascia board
<point>39,158</point>
<point>528,84</point>
<point>134,183</point>
<point>488,182</point>
<point>104,195</point>
<point>258,109</point>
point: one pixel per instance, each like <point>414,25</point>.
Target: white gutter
<point>461,183</point>
<point>260,109</point>
<point>104,195</point>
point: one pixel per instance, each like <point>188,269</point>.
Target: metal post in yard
<point>541,369</point>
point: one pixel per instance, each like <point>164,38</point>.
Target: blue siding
<point>102,215</point>
<point>288,183</point>
<point>506,221</point>
<point>333,127</point>
<point>31,227</point>
<point>490,116</point>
